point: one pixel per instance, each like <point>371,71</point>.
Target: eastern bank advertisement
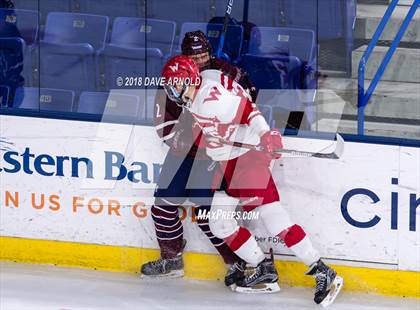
<point>94,183</point>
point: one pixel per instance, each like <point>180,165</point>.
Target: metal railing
<point>363,97</point>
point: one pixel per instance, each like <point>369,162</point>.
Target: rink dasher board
<point>312,190</point>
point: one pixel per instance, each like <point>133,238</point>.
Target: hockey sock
<point>229,257</point>
<point>296,240</point>
<point>169,230</point>
<point>245,246</point>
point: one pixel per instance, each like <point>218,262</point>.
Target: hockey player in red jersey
<point>225,113</point>
<point>185,164</point>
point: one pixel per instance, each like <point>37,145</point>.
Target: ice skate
<point>235,273</point>
<point>261,279</point>
<point>168,268</point>
<point>328,284</point>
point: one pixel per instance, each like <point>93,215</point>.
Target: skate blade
<point>170,275</point>
<point>335,289</point>
<point>263,288</point>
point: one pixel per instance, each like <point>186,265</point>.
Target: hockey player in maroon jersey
<point>225,113</point>
<point>187,171</point>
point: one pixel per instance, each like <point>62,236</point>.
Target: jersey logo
<point>213,94</point>
<point>174,68</point>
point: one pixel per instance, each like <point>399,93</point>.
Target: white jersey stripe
<point>168,123</point>
<point>166,211</point>
<point>171,135</point>
<point>167,226</point>
<point>170,238</point>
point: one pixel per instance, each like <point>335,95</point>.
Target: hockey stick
<point>336,154</point>
<point>224,29</point>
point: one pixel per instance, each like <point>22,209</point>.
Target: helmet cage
<point>174,95</point>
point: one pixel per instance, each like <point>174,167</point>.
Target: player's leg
<point>246,179</point>
<point>169,195</point>
<point>241,241</point>
<point>278,223</point>
<point>235,265</point>
<point>200,192</point>
<point>225,227</point>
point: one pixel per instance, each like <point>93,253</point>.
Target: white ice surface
<point>46,287</point>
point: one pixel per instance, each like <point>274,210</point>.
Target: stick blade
<point>339,149</point>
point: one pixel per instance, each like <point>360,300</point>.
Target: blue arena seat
<point>44,6</point>
<point>233,42</point>
<point>126,54</point>
<point>122,68</point>
<point>133,32</point>
<point>74,28</point>
<point>180,11</point>
<point>45,99</point>
<point>23,24</point>
<point>4,95</point>
<point>19,23</point>
<point>110,8</point>
<point>67,53</point>
<point>111,105</point>
<point>283,41</point>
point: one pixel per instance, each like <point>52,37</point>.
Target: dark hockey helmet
<point>194,43</point>
<point>178,73</point>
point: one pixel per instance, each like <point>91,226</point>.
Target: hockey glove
<point>272,141</point>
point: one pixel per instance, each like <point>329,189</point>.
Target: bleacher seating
<point>77,53</point>
<point>110,8</point>
<point>67,53</point>
<point>133,40</point>
<point>233,42</point>
<point>4,95</point>
<point>111,105</point>
<point>45,99</point>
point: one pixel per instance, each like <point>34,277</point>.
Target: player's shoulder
<point>211,75</point>
<point>210,80</point>
<point>209,93</point>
